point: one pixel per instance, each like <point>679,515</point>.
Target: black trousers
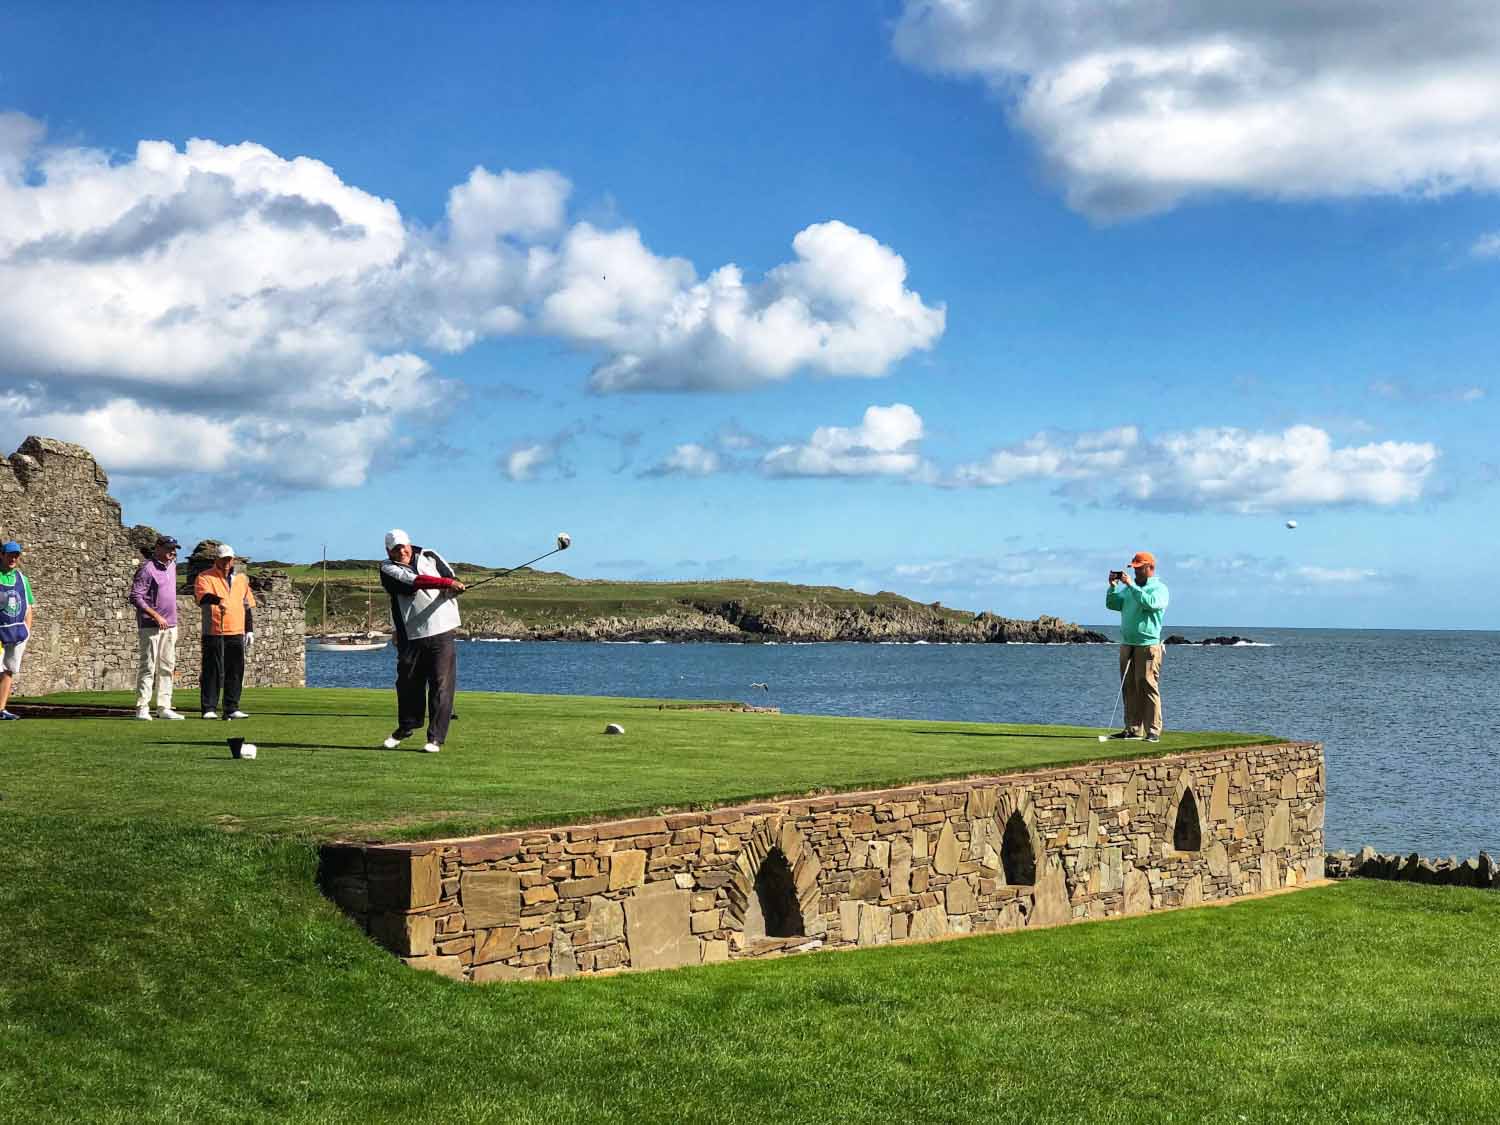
<point>426,677</point>
<point>223,669</point>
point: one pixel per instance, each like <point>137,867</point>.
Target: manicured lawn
<point>178,973</point>
<point>510,760</point>
<point>154,966</point>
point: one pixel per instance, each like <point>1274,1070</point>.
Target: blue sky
<point>962,300</point>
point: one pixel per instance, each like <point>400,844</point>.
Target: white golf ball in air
<point>1291,524</point>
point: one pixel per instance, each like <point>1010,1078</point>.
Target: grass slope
<point>552,598</point>
<point>510,760</point>
<point>151,972</point>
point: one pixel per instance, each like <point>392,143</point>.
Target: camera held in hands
<point>1117,576</point>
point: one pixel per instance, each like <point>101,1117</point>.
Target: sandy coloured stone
<point>900,867</point>
<point>960,896</point>
<point>1270,871</point>
<point>1218,801</point>
<point>1050,904</point>
<point>1288,785</point>
<point>450,967</point>
<point>1137,892</point>
<point>495,945</point>
<point>919,843</point>
<point>880,854</point>
<point>582,888</point>
<point>606,919</point>
<point>564,962</point>
<point>874,924</point>
<point>1218,860</point>
<point>705,921</point>
<point>493,973</point>
<point>714,951</point>
<point>929,922</point>
<point>849,919</point>
<point>534,896</point>
<point>657,927</point>
<point>1278,828</point>
<point>1111,870</point>
<point>946,859</point>
<point>490,898</point>
<point>627,869</point>
<point>1192,890</point>
<point>865,885</point>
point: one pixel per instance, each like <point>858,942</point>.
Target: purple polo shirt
<point>155,586</point>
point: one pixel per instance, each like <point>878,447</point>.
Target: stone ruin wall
<point>54,499</point>
<point>860,869</point>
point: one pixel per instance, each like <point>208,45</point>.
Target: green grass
<point>510,760</point>
<point>156,967</point>
<point>183,974</point>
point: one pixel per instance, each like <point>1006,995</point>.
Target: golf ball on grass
<point>247,750</point>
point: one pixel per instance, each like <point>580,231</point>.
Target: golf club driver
<point>1119,695</point>
<point>564,541</point>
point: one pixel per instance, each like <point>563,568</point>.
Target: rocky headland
<point>733,621</point>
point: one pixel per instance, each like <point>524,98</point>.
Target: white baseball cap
<point>225,551</point>
<point>396,538</point>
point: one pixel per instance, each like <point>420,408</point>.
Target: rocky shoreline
<point>734,622</point>
<point>1480,872</point>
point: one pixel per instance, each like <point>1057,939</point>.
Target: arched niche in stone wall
<point>1019,840</point>
<point>774,890</point>
<point>1189,825</point>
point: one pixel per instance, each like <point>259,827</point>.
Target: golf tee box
<point>986,854</point>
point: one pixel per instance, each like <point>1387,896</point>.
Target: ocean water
<point>1410,720</point>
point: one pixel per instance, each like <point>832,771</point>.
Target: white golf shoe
<point>237,715</point>
<point>210,714</point>
<point>144,714</point>
<point>431,748</point>
<point>167,713</point>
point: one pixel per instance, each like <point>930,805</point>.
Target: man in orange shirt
<point>228,633</point>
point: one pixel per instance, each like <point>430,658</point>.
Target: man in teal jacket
<point>1142,601</point>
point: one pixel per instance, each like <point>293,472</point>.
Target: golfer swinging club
<point>1142,601</point>
<point>424,612</point>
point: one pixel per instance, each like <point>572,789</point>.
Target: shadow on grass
<point>283,745</point>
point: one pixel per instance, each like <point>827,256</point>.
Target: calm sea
<point>1410,720</point>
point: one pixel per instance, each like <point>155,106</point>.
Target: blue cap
<point>10,547</point>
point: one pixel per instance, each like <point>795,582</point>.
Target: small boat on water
<point>368,641</point>
<point>348,642</point>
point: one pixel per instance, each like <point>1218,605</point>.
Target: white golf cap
<point>225,551</point>
<point>395,537</point>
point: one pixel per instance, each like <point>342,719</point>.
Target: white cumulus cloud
<point>687,460</point>
<point>1223,468</point>
<point>263,303</point>
<point>883,444</point>
<point>1137,106</point>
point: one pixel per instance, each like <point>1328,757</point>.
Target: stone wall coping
<point>477,848</point>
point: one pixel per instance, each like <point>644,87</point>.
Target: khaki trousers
<point>1140,670</point>
<point>158,651</point>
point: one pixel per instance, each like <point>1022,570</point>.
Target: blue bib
<point>13,612</point>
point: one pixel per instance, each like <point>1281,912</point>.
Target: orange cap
<point>1143,558</point>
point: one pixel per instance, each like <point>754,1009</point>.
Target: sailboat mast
<point>325,588</point>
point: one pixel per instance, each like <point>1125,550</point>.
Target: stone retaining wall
<point>54,498</point>
<point>858,869</point>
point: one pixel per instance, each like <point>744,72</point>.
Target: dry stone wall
<point>55,499</point>
<point>860,869</point>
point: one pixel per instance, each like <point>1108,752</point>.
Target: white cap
<point>225,551</point>
<point>396,538</point>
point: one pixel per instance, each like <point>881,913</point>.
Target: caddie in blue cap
<point>16,604</point>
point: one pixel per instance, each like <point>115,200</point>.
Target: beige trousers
<point>1140,669</point>
<point>158,650</point>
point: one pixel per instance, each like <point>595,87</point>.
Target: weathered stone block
<point>1137,892</point>
<point>960,896</point>
<point>657,927</point>
<point>401,879</point>
<point>496,944</point>
<point>410,935</point>
<point>874,924</point>
<point>945,860</point>
<point>627,869</point>
<point>1050,904</point>
<point>450,967</point>
<point>865,885</point>
<point>929,922</point>
<point>582,888</point>
<point>490,898</point>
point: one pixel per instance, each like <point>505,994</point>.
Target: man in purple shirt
<point>154,595</point>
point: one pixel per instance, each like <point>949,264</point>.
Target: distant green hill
<point>551,605</point>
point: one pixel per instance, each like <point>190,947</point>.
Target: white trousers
<point>158,648</point>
